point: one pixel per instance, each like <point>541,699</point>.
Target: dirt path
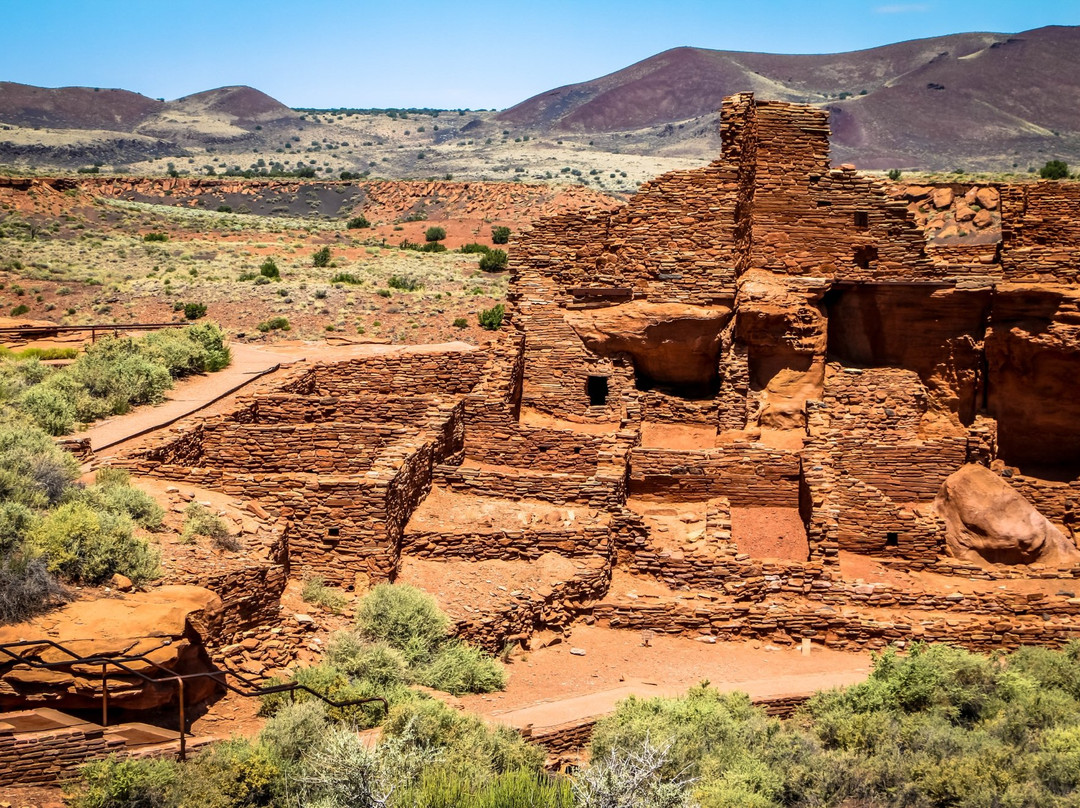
<point>551,686</point>
<point>189,395</point>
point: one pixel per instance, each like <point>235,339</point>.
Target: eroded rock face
<point>670,342</point>
<point>166,625</point>
<point>987,520</point>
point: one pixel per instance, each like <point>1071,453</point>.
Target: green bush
<point>274,324</point>
<point>295,728</point>
<point>34,472</point>
<point>22,308</point>
<point>404,617</point>
<point>269,269</point>
<point>358,223</point>
<point>460,322</point>
<point>321,258</point>
<point>87,546</point>
<point>111,495</point>
<point>193,311</point>
<point>493,261</point>
<point>491,319</point>
<point>894,174</point>
<point>316,591</point>
<point>346,277</point>
<point>156,237</point>
<point>199,521</point>
<point>458,668</point>
<point>474,248</point>
<point>435,234</point>
<point>376,662</point>
<point>50,408</point>
<point>500,235</point>
<point>405,283</point>
<point>118,783</point>
<point>1054,170</point>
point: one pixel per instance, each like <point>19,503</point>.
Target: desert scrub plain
<point>79,260</point>
<point>936,727</point>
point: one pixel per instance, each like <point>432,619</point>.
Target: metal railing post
<point>104,695</point>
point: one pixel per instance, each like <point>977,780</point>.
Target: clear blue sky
<point>471,53</point>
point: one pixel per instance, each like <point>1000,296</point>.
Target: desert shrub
<point>232,774</point>
<point>21,309</point>
<point>894,174</point>
<point>193,311</point>
<point>50,409</point>
<point>346,277</point>
<point>493,261</point>
<point>342,771</point>
<point>435,234</point>
<point>118,783</point>
<point>316,591</point>
<point>475,248</point>
<point>500,235</point>
<point>27,588</point>
<point>358,223</point>
<point>34,472</point>
<point>114,496</point>
<point>87,546</point>
<point>199,521</point>
<point>460,322</point>
<point>377,662</point>
<point>269,269</point>
<point>406,283</point>
<point>404,617</point>
<point>224,209</point>
<point>274,324</point>
<point>156,237</point>
<point>1054,170</point>
<point>467,744</point>
<point>295,728</point>
<point>459,668</point>
<point>633,778</point>
<point>321,258</point>
<point>491,319</point>
<point>335,684</point>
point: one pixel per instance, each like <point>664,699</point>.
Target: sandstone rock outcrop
<point>166,625</point>
<point>670,342</point>
<point>986,519</point>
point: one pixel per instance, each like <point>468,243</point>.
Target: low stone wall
<point>749,475</point>
<point>511,483</point>
<point>786,622</point>
<point>508,543</point>
<point>31,758</point>
<point>557,605</point>
<point>415,372</point>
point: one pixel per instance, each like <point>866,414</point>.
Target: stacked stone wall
<point>749,475</point>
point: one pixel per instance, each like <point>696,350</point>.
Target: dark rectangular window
<point>892,539</point>
<point>862,219</point>
<point>597,388</point>
<point>333,531</point>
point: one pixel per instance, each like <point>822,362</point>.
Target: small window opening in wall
<point>864,256</point>
<point>597,388</point>
<point>333,531</point>
<point>892,539</point>
<point>862,219</point>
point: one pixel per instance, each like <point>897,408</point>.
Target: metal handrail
<point>54,330</point>
<point>120,661</point>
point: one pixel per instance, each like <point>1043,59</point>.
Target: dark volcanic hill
<point>74,107</point>
<point>923,103</point>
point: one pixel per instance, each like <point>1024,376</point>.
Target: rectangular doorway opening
<point>892,539</point>
<point>597,389</point>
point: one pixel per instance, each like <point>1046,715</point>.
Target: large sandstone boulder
<point>166,625</point>
<point>670,342</point>
<point>987,520</point>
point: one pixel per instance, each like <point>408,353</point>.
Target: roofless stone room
<point>703,435</point>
